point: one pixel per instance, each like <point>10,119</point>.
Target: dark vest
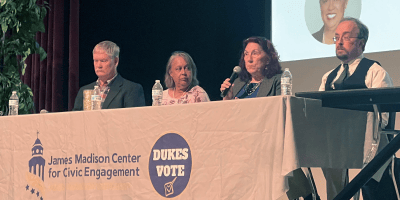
<point>356,80</point>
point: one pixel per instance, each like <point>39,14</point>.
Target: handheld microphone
<point>235,73</point>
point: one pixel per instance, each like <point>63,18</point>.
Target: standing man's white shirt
<point>376,76</point>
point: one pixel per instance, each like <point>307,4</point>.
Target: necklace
<point>251,88</point>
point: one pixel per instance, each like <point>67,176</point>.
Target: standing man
<point>116,92</point>
<point>354,72</point>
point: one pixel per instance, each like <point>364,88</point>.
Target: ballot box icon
<point>169,187</point>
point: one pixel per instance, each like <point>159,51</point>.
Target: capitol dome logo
<point>170,165</point>
<point>35,176</point>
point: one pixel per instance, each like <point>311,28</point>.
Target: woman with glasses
<point>261,72</point>
<point>260,76</point>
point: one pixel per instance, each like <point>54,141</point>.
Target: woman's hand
<point>225,85</point>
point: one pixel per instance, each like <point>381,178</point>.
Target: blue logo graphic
<point>35,177</point>
<point>170,165</point>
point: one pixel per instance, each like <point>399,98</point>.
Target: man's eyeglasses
<point>346,38</point>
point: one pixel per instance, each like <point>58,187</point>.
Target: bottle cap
<point>157,81</point>
<point>286,69</point>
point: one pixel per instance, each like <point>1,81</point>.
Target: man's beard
<point>342,57</point>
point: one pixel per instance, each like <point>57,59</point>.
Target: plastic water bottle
<point>286,82</point>
<point>96,98</point>
<point>13,104</point>
<point>157,93</point>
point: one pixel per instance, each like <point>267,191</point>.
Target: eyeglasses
<point>346,37</point>
<point>253,53</point>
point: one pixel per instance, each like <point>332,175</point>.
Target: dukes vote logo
<point>170,165</point>
<point>35,176</point>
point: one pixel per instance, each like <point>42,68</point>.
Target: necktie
<point>339,82</point>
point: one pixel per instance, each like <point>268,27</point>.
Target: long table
<point>237,149</point>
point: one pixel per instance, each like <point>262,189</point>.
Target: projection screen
<point>294,22</point>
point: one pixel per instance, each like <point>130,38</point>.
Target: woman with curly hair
<point>261,72</point>
<point>261,76</point>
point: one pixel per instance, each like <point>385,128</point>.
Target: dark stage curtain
<point>55,80</point>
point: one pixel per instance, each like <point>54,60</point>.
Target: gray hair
<point>169,82</point>
<point>110,48</point>
<point>363,29</point>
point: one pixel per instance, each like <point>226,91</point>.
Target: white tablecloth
<point>239,149</point>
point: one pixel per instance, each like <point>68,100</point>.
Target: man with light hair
<point>116,92</point>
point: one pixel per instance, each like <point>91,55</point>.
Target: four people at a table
<point>260,76</point>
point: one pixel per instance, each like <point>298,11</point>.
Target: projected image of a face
<point>301,34</point>
<point>332,11</point>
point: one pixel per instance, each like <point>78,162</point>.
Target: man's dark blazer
<point>269,86</point>
<point>122,94</point>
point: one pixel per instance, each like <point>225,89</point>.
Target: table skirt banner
<point>238,149</point>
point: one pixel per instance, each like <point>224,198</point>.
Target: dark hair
<point>363,29</point>
<point>271,69</point>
